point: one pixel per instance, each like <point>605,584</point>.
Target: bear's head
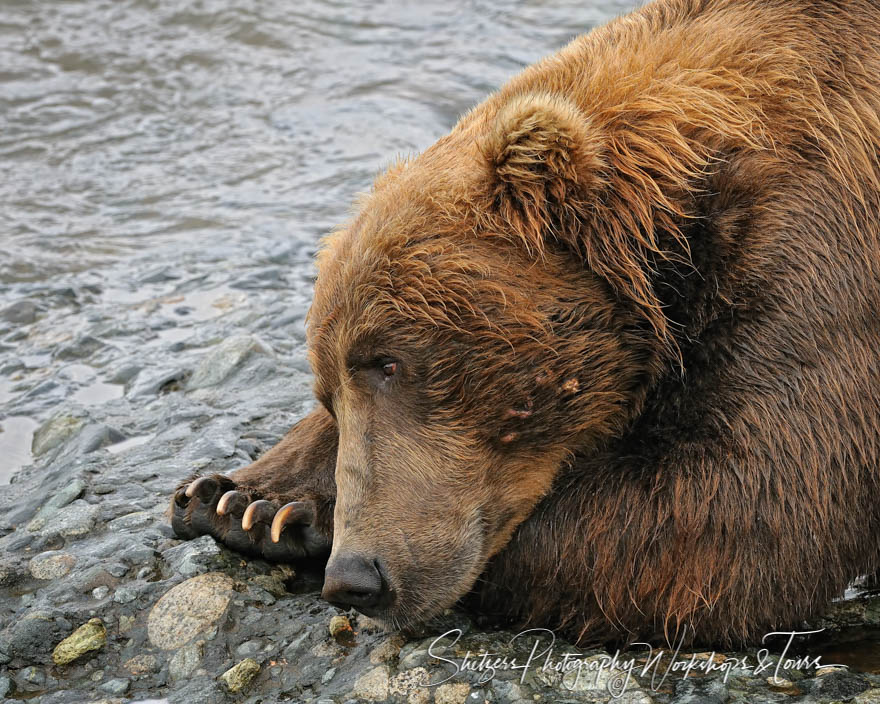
<point>468,337</point>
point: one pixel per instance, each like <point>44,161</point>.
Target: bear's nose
<point>354,580</point>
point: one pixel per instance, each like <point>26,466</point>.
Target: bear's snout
<point>352,579</point>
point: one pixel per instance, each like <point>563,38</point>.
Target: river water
<point>154,153</point>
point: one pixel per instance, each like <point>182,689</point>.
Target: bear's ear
<point>544,164</point>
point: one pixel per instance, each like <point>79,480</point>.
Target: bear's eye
<point>389,369</point>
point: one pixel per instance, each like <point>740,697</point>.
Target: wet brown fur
<point>634,299</point>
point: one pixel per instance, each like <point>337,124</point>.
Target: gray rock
<point>194,556</point>
<point>223,360</point>
<point>125,374</point>
<point>186,660</point>
<point>5,685</point>
<point>125,595</point>
<point>51,564</point>
<point>116,686</point>
<point>61,499</point>
<point>54,432</point>
<point>22,312</point>
<point>33,636</point>
<point>94,437</point>
<point>82,347</point>
<point>249,648</point>
<point>33,675</point>
<point>156,381</point>
<point>78,518</point>
<point>131,521</point>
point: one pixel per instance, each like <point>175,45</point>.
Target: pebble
<point>240,676</point>
<point>116,686</point>
<point>31,637</point>
<point>51,564</point>
<point>90,636</point>
<point>78,518</point>
<point>222,361</point>
<point>186,660</point>
<point>249,648</point>
<point>53,433</point>
<point>189,609</point>
<point>142,664</point>
<point>125,595</point>
<point>62,498</point>
<point>22,312</point>
<point>194,556</point>
<point>33,675</point>
<point>452,693</point>
<point>132,521</point>
<point>373,685</point>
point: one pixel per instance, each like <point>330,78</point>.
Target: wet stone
<point>96,436</point>
<point>223,360</point>
<point>62,498</point>
<point>51,564</point>
<point>90,636</point>
<point>33,676</point>
<point>131,521</point>
<point>194,556</point>
<point>373,685</point>
<point>22,312</point>
<point>54,432</point>
<point>240,676</point>
<point>249,648</point>
<point>186,660</point>
<point>32,636</point>
<point>78,518</point>
<point>115,686</point>
<point>188,610</point>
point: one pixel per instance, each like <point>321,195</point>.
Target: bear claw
<point>204,488</point>
<point>232,502</point>
<point>260,511</point>
<point>214,505</point>
<point>296,512</point>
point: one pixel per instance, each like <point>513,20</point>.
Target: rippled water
<point>155,154</point>
<point>165,127</point>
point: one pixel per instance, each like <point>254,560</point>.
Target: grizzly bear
<point>606,357</point>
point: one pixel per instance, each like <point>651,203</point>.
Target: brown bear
<point>605,358</point>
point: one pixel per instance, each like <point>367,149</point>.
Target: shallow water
<point>172,159</point>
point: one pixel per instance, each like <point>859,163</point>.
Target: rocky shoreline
<point>130,391</point>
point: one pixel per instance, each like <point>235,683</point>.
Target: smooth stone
<point>78,518</point>
<point>186,660</point>
<point>373,685</point>
<point>96,436</point>
<point>54,432</point>
<point>33,675</point>
<point>32,636</point>
<point>223,360</point>
<point>188,610</point>
<point>90,636</point>
<point>194,556</point>
<point>62,498</point>
<point>116,686</point>
<point>240,676</point>
<point>452,693</point>
<point>22,312</point>
<point>51,564</point>
<point>131,521</point>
